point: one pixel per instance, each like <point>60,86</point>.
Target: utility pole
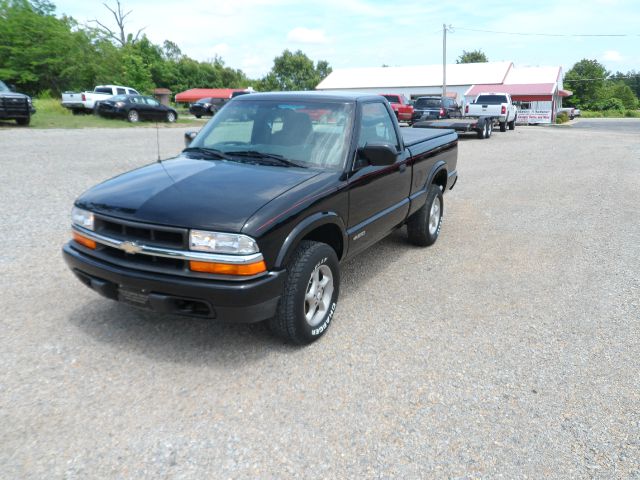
<point>444,57</point>
<point>444,60</point>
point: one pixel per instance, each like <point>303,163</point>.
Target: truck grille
<point>14,106</point>
<point>148,234</point>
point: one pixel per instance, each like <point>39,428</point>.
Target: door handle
<point>402,167</point>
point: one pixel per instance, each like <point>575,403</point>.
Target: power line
<point>531,34</point>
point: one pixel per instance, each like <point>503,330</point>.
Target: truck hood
<point>190,193</point>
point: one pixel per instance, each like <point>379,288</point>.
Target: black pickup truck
<point>15,106</point>
<point>251,221</point>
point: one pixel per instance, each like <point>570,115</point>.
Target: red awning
<point>536,89</point>
<point>196,94</point>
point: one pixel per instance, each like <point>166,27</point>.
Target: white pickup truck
<point>88,101</point>
<point>496,105</point>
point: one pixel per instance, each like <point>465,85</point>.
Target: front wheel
<point>424,225</point>
<point>133,116</point>
<point>24,121</point>
<point>310,294</point>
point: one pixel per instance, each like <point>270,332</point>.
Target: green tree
<point>474,56</point>
<point>294,71</point>
<point>631,78</point>
<point>586,79</point>
<point>621,91</point>
<point>38,51</point>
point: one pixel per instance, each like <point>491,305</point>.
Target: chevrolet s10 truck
<point>252,220</point>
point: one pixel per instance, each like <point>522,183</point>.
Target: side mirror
<point>188,138</point>
<point>378,154</point>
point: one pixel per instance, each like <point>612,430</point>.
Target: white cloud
<point>612,56</point>
<point>307,35</point>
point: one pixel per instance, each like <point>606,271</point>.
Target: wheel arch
<point>326,227</point>
<point>438,176</point>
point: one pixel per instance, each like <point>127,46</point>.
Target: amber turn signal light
<point>246,269</point>
<point>87,242</point>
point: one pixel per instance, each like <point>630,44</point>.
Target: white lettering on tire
<point>325,324</point>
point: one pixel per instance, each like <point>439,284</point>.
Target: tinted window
<point>105,90</point>
<point>376,125</point>
<point>121,91</point>
<point>204,100</point>
<point>392,98</point>
<point>133,92</point>
<point>428,103</point>
<point>119,98</point>
<point>491,99</point>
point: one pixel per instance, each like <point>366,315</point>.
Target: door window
<point>121,91</point>
<point>376,126</point>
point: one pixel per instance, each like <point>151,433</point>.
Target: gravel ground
<point>510,349</point>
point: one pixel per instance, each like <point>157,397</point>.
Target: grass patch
<point>610,114</point>
<point>51,114</point>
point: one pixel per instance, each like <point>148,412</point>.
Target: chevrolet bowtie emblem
<point>130,247</point>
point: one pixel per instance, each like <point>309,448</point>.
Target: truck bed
<point>412,137</point>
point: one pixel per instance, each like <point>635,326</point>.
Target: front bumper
<point>241,302</point>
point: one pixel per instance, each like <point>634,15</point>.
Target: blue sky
<point>248,34</point>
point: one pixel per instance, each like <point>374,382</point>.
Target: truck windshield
<point>308,133</point>
<point>491,99</point>
<point>3,87</point>
<point>428,103</point>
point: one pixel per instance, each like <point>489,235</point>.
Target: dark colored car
<point>206,106</point>
<point>135,108</point>
<point>15,106</point>
<point>429,108</point>
<point>251,221</point>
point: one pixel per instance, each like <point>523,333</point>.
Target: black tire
<point>419,226</point>
<point>503,126</point>
<point>512,124</point>
<point>133,116</point>
<point>198,116</point>
<point>171,116</point>
<point>75,111</point>
<point>290,321</point>
<point>23,121</point>
<point>489,129</point>
<point>483,131</point>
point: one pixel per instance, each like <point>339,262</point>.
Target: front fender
<point>303,228</point>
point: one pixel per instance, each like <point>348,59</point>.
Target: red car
<point>401,106</point>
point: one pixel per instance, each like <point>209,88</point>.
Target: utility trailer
<point>481,125</point>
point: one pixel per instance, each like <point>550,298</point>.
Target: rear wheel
<point>489,129</point>
<point>503,126</point>
<point>171,117</point>
<point>198,116</point>
<point>482,133</point>
<point>424,225</point>
<point>310,294</point>
<point>133,116</point>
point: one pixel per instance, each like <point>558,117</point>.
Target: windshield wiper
<point>208,152</point>
<point>266,156</point>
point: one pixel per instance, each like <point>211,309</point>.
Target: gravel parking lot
<point>510,349</point>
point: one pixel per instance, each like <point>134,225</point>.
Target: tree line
<point>594,88</point>
<point>43,54</point>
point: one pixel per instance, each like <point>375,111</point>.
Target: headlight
<point>216,242</point>
<point>82,218</point>
<point>29,101</point>
<point>119,104</point>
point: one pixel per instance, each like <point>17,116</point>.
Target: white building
<point>416,81</point>
<point>536,90</point>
